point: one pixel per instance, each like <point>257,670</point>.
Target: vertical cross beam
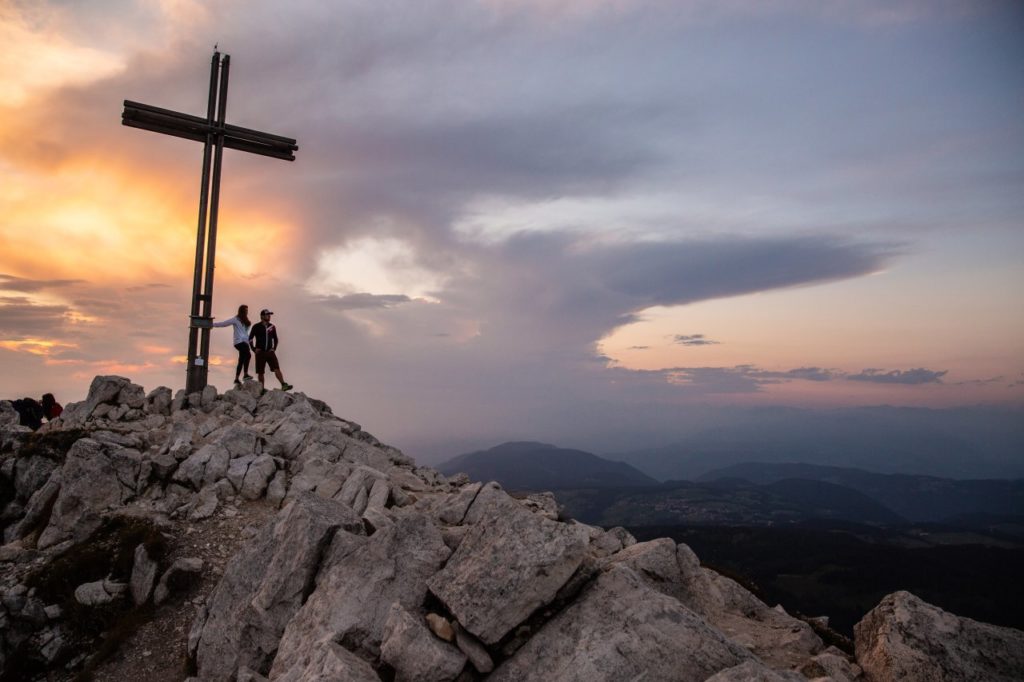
<point>216,135</point>
<point>197,368</point>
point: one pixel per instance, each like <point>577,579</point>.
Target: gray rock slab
<point>237,470</point>
<point>99,592</point>
<point>511,563</point>
<point>360,581</point>
<point>329,662</point>
<point>264,585</point>
<point>474,650</point>
<point>906,638</point>
<point>415,653</point>
<point>37,511</point>
<point>755,671</point>
<point>453,510</point>
<point>90,487</point>
<point>259,474</point>
<point>183,570</point>
<point>144,571</point>
<point>622,629</point>
<point>778,639</point>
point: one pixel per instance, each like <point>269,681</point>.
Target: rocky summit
<point>251,536</point>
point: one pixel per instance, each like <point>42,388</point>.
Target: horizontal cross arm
<point>174,123</point>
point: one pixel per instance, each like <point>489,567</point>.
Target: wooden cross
<point>215,135</point>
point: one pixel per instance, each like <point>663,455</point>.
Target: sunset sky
<point>528,219</point>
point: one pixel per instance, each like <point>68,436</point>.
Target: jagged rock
<point>276,489</point>
<point>755,671</point>
<point>621,629</point>
<point>29,474</point>
<point>205,504</point>
<point>248,675</point>
<point>182,571</point>
<point>778,639</point>
<point>143,576</point>
<point>904,638</point>
<point>415,654</point>
<point>8,415</point>
<point>192,469</point>
<point>377,499</point>
<point>38,508</point>
<point>360,580</point>
<point>158,401</point>
<point>237,470</point>
<point>132,396</point>
<point>454,509</point>
<point>99,592</point>
<point>833,664</point>
<point>511,563</point>
<point>207,397</point>
<point>376,520</point>
<point>34,611</point>
<point>543,503</point>
<point>163,465</point>
<point>329,662</point>
<point>359,504</point>
<point>90,486</point>
<point>490,496</point>
<point>256,478</point>
<point>474,650</point>
<point>265,584</point>
<point>357,483</point>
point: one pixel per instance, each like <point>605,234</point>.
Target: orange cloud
<point>35,346</point>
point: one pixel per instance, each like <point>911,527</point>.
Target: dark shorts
<point>264,358</point>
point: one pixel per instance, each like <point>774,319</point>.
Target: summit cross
<point>215,135</point>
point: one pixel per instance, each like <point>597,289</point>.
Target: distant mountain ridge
<point>957,444</point>
<point>528,465</point>
<point>916,498</point>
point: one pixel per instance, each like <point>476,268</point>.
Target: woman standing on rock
<point>240,323</point>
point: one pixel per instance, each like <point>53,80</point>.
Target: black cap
<point>266,312</point>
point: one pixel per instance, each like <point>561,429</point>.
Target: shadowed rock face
<point>376,568</point>
<point>905,638</point>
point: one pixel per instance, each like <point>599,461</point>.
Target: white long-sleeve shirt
<point>241,331</point>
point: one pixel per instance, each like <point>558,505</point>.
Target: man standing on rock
<point>263,339</point>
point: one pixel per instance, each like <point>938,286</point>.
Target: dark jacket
<point>263,336</point>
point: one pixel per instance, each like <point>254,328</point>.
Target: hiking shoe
<point>238,383</point>
<point>247,377</point>
<point>286,387</point>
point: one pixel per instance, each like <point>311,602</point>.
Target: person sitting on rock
<point>30,412</point>
<point>51,408</point>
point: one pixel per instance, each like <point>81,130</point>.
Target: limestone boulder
<point>144,570</point>
<point>360,580</point>
<point>329,662</point>
<point>781,641</point>
<point>182,572</point>
<point>99,592</point>
<point>158,401</point>
<point>91,485</point>
<point>37,510</point>
<point>755,671</point>
<point>511,563</point>
<point>621,629</point>
<point>264,585</point>
<point>257,477</point>
<point>906,638</point>
<point>415,653</point>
